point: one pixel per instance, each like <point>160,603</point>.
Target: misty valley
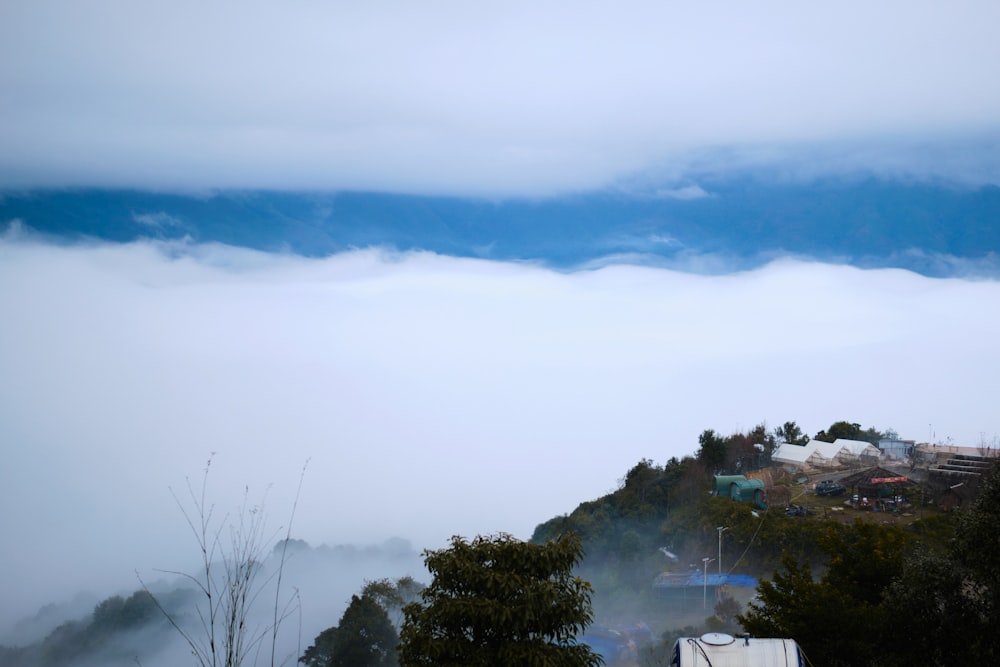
<point>732,539</point>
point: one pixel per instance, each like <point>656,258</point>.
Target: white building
<point>897,450</point>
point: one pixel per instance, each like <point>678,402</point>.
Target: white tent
<point>799,456</point>
<point>819,454</point>
<point>857,450</point>
<point>831,452</point>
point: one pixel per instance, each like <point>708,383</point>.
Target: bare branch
<point>228,582</point>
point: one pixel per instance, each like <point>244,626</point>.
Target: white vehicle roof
<point>717,649</point>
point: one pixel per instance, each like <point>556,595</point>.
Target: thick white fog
<point>430,396</point>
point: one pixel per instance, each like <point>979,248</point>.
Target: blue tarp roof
<point>698,579</point>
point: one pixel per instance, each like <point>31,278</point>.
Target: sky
<point>429,395</point>
<point>492,99</point>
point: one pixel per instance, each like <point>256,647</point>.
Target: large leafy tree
<point>711,450</point>
<point>791,433</point>
<point>318,655</point>
<point>932,620</point>
<point>499,601</point>
<point>365,637</point>
<point>951,602</point>
<point>393,595</point>
<point>840,618</point>
<point>849,431</point>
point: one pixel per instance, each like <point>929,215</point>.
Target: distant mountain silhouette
<point>935,230</point>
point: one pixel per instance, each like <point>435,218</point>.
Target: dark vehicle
<point>830,488</point>
<point>798,510</point>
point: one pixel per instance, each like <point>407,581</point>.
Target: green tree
<point>841,429</point>
<point>393,595</point>
<point>711,450</point>
<point>932,620</point>
<point>849,431</point>
<point>500,601</point>
<point>791,433</point>
<point>365,637</point>
<point>948,600</point>
<point>742,450</point>
<point>641,479</point>
<point>319,654</point>
<point>839,619</point>
<point>116,614</point>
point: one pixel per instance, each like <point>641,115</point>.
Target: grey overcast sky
<point>521,98</point>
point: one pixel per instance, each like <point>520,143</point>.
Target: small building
<point>717,649</point>
<point>897,450</point>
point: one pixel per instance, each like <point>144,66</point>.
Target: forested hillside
<point>836,581</point>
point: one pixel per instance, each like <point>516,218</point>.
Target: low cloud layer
<point>431,396</point>
<point>512,99</point>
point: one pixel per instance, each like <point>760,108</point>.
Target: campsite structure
<point>878,483</point>
<point>817,454</point>
<point>741,489</point>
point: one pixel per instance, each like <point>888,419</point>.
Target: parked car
<point>798,510</point>
<point>830,488</point>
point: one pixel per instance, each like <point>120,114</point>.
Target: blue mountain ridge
<point>935,230</point>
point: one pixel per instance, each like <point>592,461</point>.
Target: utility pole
<point>721,530</point>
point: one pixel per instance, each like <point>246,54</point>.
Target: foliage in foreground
<point>500,601</point>
<point>366,635</point>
